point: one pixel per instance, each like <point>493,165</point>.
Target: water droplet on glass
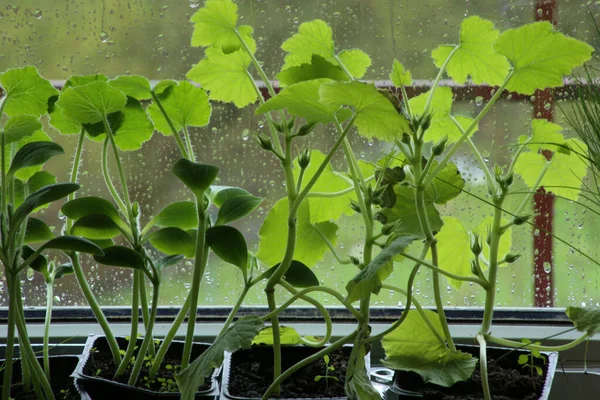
<point>103,36</point>
<point>194,3</point>
<point>547,267</point>
<point>245,134</point>
<point>479,100</point>
<point>30,274</point>
<point>56,300</point>
<point>38,13</point>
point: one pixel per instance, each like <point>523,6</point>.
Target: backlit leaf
<point>400,76</point>
<point>229,244</point>
<point>182,215</point>
<point>585,319</point>
<point>120,256</point>
<point>37,231</point>
<point>540,56</point>
<point>197,177</point>
<point>91,103</point>
<point>310,247</point>
<point>185,104</point>
<point>173,241</point>
<point>134,86</point>
<point>313,37</point>
<point>20,126</point>
<point>220,194</point>
<point>236,208</point>
<point>318,68</point>
<point>73,243</point>
<point>475,56</point>
<point>298,275</point>
<point>355,61</point>
<point>83,206</point>
<point>376,116</point>
<point>288,336</point>
<point>33,154</point>
<point>26,92</point>
<point>95,226</point>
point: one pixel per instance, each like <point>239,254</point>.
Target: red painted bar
<point>543,205</point>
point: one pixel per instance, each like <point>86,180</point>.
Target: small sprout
<point>306,129</point>
<point>304,159</point>
<point>168,366</point>
<point>328,368</point>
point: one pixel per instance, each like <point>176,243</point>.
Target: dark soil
<point>100,364</point>
<point>252,372</point>
<point>507,382</point>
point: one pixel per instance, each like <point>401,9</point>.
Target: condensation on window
<point>152,38</point>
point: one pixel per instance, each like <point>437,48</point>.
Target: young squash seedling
<point>25,189</point>
<point>328,370</point>
<point>112,111</point>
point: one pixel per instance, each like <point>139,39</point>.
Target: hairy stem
<point>131,346</point>
<point>483,367</point>
<point>180,144</point>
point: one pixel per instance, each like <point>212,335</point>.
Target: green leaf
<point>540,56</point>
<point>63,269</point>
<point>475,56</point>
<point>197,177</point>
<point>454,249</point>
<point>103,243</point>
<point>37,231</point>
<point>239,336</point>
<point>39,264</point>
<point>37,181</point>
<point>229,245</point>
<point>297,275</point>
<point>318,68</point>
<point>73,243</point>
<point>173,241</point>
<point>376,116</point>
<point>220,194</point>
<point>45,195</point>
<point>225,77</point>
<point>544,133</point>
<point>585,319</point>
<point>119,256</point>
<point>406,212</point>
<point>163,85</point>
<point>84,206</point>
<point>27,172</point>
<point>26,92</point>
<point>20,126</point>
<point>288,336</point>
<point>326,208</point>
<point>566,170</point>
<point>441,124</point>
<point>355,61</point>
<point>302,99</point>
<point>168,261</point>
<point>310,247</point>
<point>182,215</point>
<point>81,80</point>
<point>371,277</point>
<point>400,76</point>
<point>33,154</point>
<point>185,104</point>
<point>236,208</point>
<point>313,37</point>
<point>91,103</point>
<point>130,127</point>
<point>414,347</point>
<point>215,25</point>
<point>96,226</point>
<point>134,86</point>
<point>357,384</point>
<point>447,185</point>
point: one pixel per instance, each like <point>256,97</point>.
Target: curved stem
<point>144,303</point>
<point>75,172</point>
<point>532,346</point>
<point>322,310</point>
<point>436,82</point>
<point>10,336</point>
<point>235,309</point>
<point>483,367</point>
<point>132,345</point>
<point>318,355</point>
<point>111,139</point>
<point>330,246</point>
<point>93,303</point>
<point>180,144</point>
<point>108,181</point>
<point>188,141</point>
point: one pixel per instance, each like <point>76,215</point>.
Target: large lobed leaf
<point>91,103</point>
<point>585,319</point>
<point>475,55</point>
<point>239,336</point>
<point>540,56</point>
<point>414,347</point>
<point>26,92</point>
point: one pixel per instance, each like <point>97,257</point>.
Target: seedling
<point>528,360</point>
<point>327,377</point>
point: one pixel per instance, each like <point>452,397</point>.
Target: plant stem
<point>46,353</point>
<point>144,303</point>
<point>166,342</point>
<point>148,340</point>
<point>180,144</point>
<point>318,355</point>
<point>188,141</point>
<point>532,346</point>
<point>490,291</point>
<point>331,247</point>
<point>132,344</point>
<point>483,367</point>
<point>10,335</point>
<point>98,314</point>
<point>235,309</point>
<point>108,181</point>
<point>199,268</point>
<point>436,82</point>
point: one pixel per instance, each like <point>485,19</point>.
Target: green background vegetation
<point>151,38</point>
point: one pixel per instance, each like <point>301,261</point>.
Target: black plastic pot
<point>406,384</point>
<point>98,388</point>
<point>227,367</point>
<point>61,367</point>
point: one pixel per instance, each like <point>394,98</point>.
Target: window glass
<point>152,38</point>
